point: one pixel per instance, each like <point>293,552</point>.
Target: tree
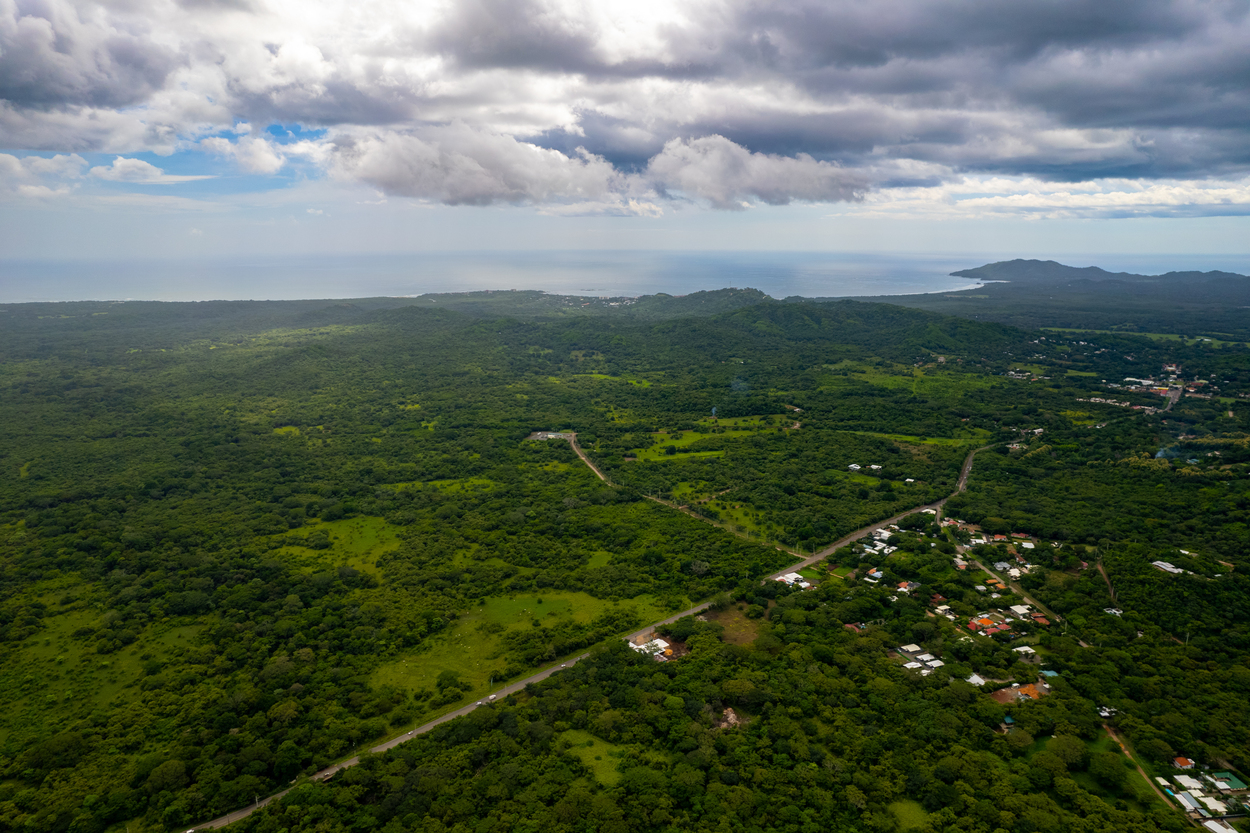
<point>1108,768</point>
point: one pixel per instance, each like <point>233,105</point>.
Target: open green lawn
<point>737,516</point>
<point>1211,339</point>
<point>683,439</point>
<point>908,814</point>
<point>49,676</point>
<point>471,647</point>
<point>657,455</point>
<point>641,383</point>
<point>979,435</point>
<point>467,484</point>
<point>599,756</point>
<point>356,542</point>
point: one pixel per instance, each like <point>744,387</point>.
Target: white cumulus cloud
<point>126,169</point>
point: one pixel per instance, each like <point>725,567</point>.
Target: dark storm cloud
<point>706,98</point>
<point>49,57</point>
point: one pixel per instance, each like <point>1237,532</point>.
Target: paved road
<point>329,772</point>
<point>1174,396</point>
<point>577,448</point>
<point>960,485</point>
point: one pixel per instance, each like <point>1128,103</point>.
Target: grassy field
<point>657,455</point>
<point>739,630</point>
<point>728,428</point>
<point>471,647</point>
<point>908,814</point>
<point>599,756</point>
<point>466,484</point>
<point>640,383</point>
<point>1183,339</point>
<point>49,676</point>
<point>738,516</point>
<point>356,542</point>
<point>979,435</point>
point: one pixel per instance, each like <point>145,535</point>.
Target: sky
<point>232,128</point>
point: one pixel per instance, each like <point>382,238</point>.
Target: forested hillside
<point>1034,293</point>
<point>239,542</point>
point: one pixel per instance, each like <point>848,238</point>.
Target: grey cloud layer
<point>722,102</point>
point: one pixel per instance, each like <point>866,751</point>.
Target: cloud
<point>612,107</point>
<point>37,177</point>
<point>996,197</point>
<point>254,155</point>
<point>727,175</point>
<point>457,165</point>
<point>51,56</point>
<point>137,171</point>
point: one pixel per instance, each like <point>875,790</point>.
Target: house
<point>1188,802</point>
<point>935,663</point>
<point>1218,826</point>
<point>1189,782</point>
<point>912,665</point>
<point>1182,763</point>
<point>1020,610</point>
<point>910,649</point>
<point>1213,804</point>
<point>795,580</point>
<point>854,467</point>
<point>654,647</point>
<point>875,468</point>
<point>942,609</point>
<point>1114,611</point>
<point>1001,566</point>
<point>1167,568</point>
<point>926,658</point>
<point>976,679</point>
<point>1025,650</point>
<point>1225,781</point>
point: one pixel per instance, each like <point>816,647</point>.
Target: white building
<point>655,646</point>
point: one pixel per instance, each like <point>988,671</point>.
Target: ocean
<point>598,273</point>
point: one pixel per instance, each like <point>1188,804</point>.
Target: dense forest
<point>240,542</point>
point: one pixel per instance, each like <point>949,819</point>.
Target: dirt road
<point>1129,752</point>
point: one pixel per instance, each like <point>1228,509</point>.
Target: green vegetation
<point>240,542</point>
<point>598,757</point>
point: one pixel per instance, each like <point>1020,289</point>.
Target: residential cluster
<point>1209,798</point>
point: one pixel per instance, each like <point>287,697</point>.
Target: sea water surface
<point>598,273</point>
